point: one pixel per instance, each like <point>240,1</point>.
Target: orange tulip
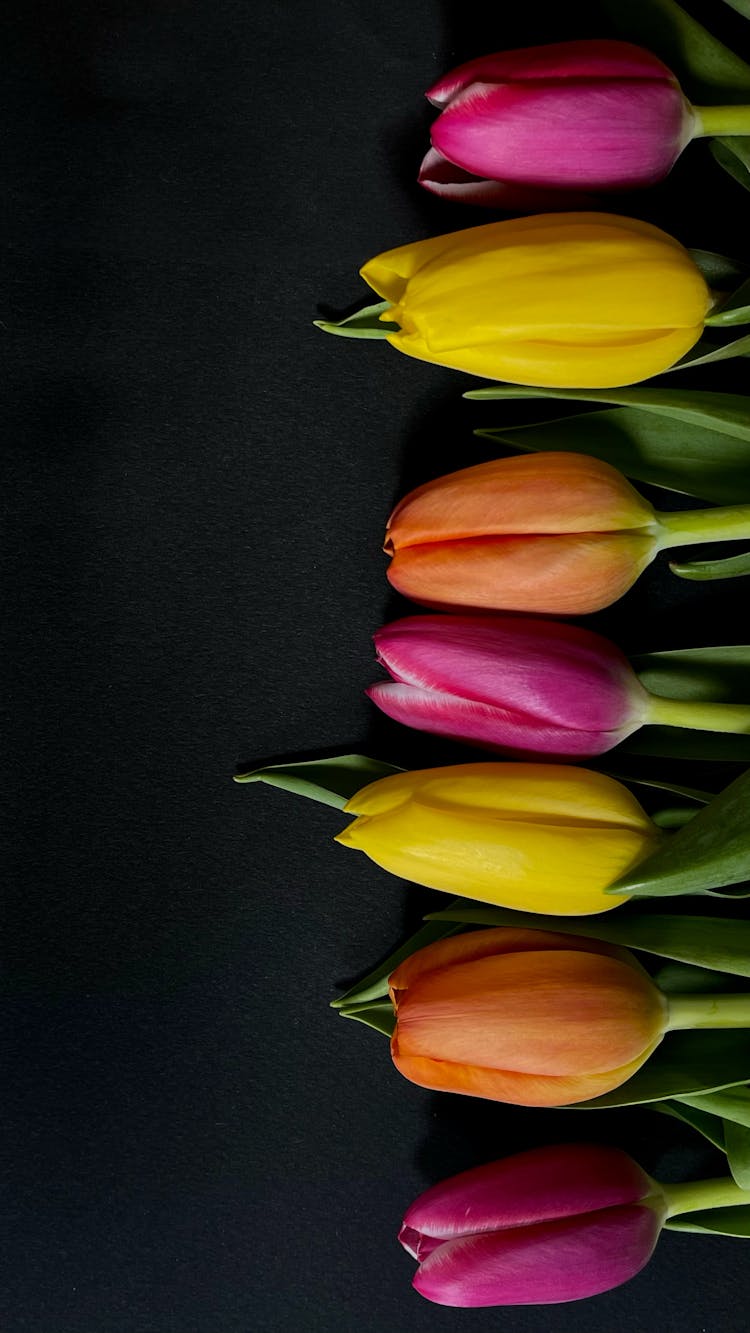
<point>548,532</point>
<point>524,1016</point>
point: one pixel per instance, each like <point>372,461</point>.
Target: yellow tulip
<point>564,300</point>
<point>536,837</point>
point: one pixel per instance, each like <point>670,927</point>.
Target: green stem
<point>708,1011</point>
<point>691,526</point>
<point>693,1196</point>
<point>723,120</point>
<point>698,715</point>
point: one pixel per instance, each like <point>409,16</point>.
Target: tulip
<point>524,687</point>
<point>537,837</point>
<point>550,1225</point>
<point>535,1018</point>
<point>584,115</point>
<point>548,532</point>
<point>573,300</point>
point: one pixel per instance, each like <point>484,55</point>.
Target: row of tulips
<point>517,1014</point>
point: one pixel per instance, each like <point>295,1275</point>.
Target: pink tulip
<point>551,1225</point>
<point>585,115</point>
<point>522,686</point>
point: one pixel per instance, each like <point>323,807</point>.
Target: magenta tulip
<point>521,686</point>
<point>583,115</point>
<point>550,1225</point>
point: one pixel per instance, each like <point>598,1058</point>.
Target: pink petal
<point>540,1185</point>
<point>572,135</point>
<point>551,674</point>
<point>543,1264</point>
<point>480,724</point>
<point>592,59</point>
<point>448,181</point>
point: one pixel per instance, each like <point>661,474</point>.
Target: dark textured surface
<point>195,488</point>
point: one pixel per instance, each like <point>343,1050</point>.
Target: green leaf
<point>718,270</point>
<point>742,7</point>
<point>700,571</point>
<point>662,450</point>
<point>710,1126</point>
<point>678,743</point>
<point>375,984</point>
<point>718,674</point>
<point>331,781</point>
<point>732,1105</point>
<point>727,413</point>
<point>734,156</point>
<point>684,1063</point>
<point>365,323</point>
<point>378,1016</point>
<point>737,1138</point>
<point>719,943</point>
<point>734,310</point>
<point>707,70</point>
<point>659,784</point>
<point>719,1221</point>
<point>711,852</point>
<point>705,353</point>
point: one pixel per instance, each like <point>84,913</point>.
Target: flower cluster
<point>549,1004</point>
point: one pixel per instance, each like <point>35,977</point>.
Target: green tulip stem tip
<point>708,1011</point>
<point>721,120</point>
<point>693,1196</point>
<point>689,527</point>
<point>698,715</point>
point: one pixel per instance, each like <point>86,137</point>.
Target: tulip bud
<point>537,837</point>
<point>524,1016</point>
<point>547,532</point>
<point>542,1227</point>
<point>526,687</point>
<point>586,115</point>
<point>572,300</point>
<point>536,1018</point>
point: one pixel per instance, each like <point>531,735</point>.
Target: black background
<point>196,485</point>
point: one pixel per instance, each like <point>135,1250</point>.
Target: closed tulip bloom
<point>556,533</point>
<point>570,300</point>
<point>588,115</point>
<point>542,1227</point>
<point>536,1018</point>
<point>523,686</point>
<point>524,1016</point>
<point>537,837</point>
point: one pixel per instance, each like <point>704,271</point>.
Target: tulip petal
<point>569,574</point>
<point>538,791</point>
<point>570,134</point>
<point>492,728</point>
<point>552,1012</point>
<point>543,494</point>
<point>547,686</point>
<point>588,59</point>
<point>448,181</point>
<point>540,1185</point>
<point>548,1263</point>
<point>502,1085</point>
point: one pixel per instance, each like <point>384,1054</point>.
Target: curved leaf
<point>710,1126</point>
<point>331,781</point>
<point>658,449</point>
<point>719,943</point>
<point>732,1105</point>
<point>711,852</point>
<point>378,1016</point>
<point>375,984</point>
<point>684,1063</point>
<point>706,68</point>
<point>734,156</point>
<point>742,7</point>
<point>682,743</point>
<point>737,1139</point>
<point>727,413</point>
<point>700,571</point>
<point>718,1221</point>
<point>719,674</point>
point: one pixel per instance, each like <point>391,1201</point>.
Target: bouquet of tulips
<point>550,978</point>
